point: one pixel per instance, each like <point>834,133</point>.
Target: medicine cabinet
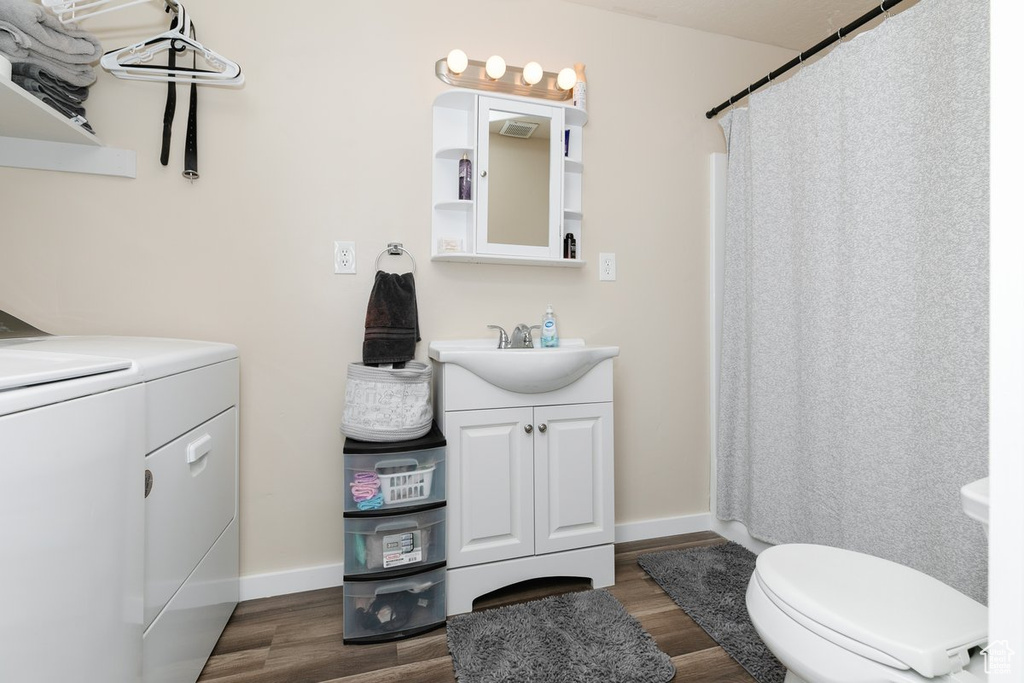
<point>526,181</point>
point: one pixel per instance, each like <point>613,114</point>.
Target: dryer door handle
<point>199,449</point>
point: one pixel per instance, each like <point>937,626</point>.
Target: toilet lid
<point>877,608</point>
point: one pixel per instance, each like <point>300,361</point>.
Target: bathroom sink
<point>524,371</point>
<point>974,498</point>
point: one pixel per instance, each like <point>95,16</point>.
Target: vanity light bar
<point>514,79</point>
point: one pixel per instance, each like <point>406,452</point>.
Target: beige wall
<point>330,139</point>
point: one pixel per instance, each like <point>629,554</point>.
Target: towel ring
<point>394,249</point>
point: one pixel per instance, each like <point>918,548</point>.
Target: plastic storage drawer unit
<point>378,611</point>
<point>380,477</point>
<point>395,544</point>
<point>395,538</point>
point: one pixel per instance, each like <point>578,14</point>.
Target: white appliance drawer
<point>176,646</point>
<point>177,403</point>
<point>191,501</point>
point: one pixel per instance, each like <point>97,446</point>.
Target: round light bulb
<point>457,61</point>
<point>567,78</point>
<point>495,67</point>
<point>532,73</point>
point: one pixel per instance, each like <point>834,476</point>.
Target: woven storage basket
<point>385,404</point>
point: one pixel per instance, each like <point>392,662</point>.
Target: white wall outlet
<point>345,258</point>
<point>606,266</point>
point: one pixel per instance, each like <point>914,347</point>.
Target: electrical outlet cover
<point>345,258</point>
<point>606,267</point>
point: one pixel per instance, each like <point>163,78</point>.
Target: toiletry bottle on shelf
<point>465,178</point>
<point>579,91</point>
<point>569,246</point>
<point>549,330</point>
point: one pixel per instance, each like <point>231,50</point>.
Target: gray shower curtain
<point>853,395</point>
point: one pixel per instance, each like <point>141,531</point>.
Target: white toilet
<point>838,616</point>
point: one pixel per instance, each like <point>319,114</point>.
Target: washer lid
<point>876,608</point>
<point>25,368</point>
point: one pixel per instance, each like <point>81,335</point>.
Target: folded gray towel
<point>28,28</point>
<point>69,92</point>
<point>76,74</point>
<point>38,87</point>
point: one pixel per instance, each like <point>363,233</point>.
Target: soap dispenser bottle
<point>549,330</point>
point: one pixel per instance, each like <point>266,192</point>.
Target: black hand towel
<point>392,325</point>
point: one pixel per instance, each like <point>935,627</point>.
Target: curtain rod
<point>884,7</point>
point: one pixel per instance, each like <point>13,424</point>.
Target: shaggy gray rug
<point>710,585</point>
<point>573,638</point>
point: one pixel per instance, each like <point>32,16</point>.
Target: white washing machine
<point>118,505</point>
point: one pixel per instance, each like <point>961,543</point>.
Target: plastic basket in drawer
<point>377,611</point>
<point>403,481</point>
<point>395,543</point>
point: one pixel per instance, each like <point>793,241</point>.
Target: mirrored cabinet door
<point>519,179</point>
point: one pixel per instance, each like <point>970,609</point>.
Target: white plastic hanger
<point>68,11</point>
<point>132,62</point>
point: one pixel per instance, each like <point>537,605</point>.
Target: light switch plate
<point>345,258</point>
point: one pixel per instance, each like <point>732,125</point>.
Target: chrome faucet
<point>522,337</point>
<point>502,336</point>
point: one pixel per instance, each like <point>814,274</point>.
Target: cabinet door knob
<point>149,483</point>
<point>528,428</point>
<point>483,174</point>
<point>543,428</point>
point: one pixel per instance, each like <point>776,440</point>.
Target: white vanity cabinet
<point>530,482</point>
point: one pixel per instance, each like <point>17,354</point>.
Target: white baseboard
<point>290,581</point>
<point>666,526</point>
<point>737,533</point>
<point>302,579</point>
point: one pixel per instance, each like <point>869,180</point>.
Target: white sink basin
<point>524,371</point>
<point>974,498</point>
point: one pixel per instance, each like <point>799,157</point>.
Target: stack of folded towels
<point>50,60</point>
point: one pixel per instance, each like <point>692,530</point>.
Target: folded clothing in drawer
<point>375,544</point>
<point>401,474</point>
<point>377,611</point>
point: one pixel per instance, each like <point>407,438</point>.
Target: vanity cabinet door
<point>574,476</point>
<point>490,485</point>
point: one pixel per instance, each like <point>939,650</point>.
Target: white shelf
<point>455,205</point>
<point>509,260</point>
<point>453,152</point>
<point>33,135</point>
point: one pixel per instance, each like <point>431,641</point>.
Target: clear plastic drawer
<point>384,476</point>
<point>378,611</point>
<point>394,543</point>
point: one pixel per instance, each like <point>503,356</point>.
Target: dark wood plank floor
<point>298,638</point>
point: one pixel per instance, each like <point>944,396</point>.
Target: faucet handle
<point>528,335</point>
<point>502,336</point>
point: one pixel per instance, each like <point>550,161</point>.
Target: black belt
<point>191,167</point>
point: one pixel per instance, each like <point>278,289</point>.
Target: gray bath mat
<point>573,638</point>
<point>710,585</point>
